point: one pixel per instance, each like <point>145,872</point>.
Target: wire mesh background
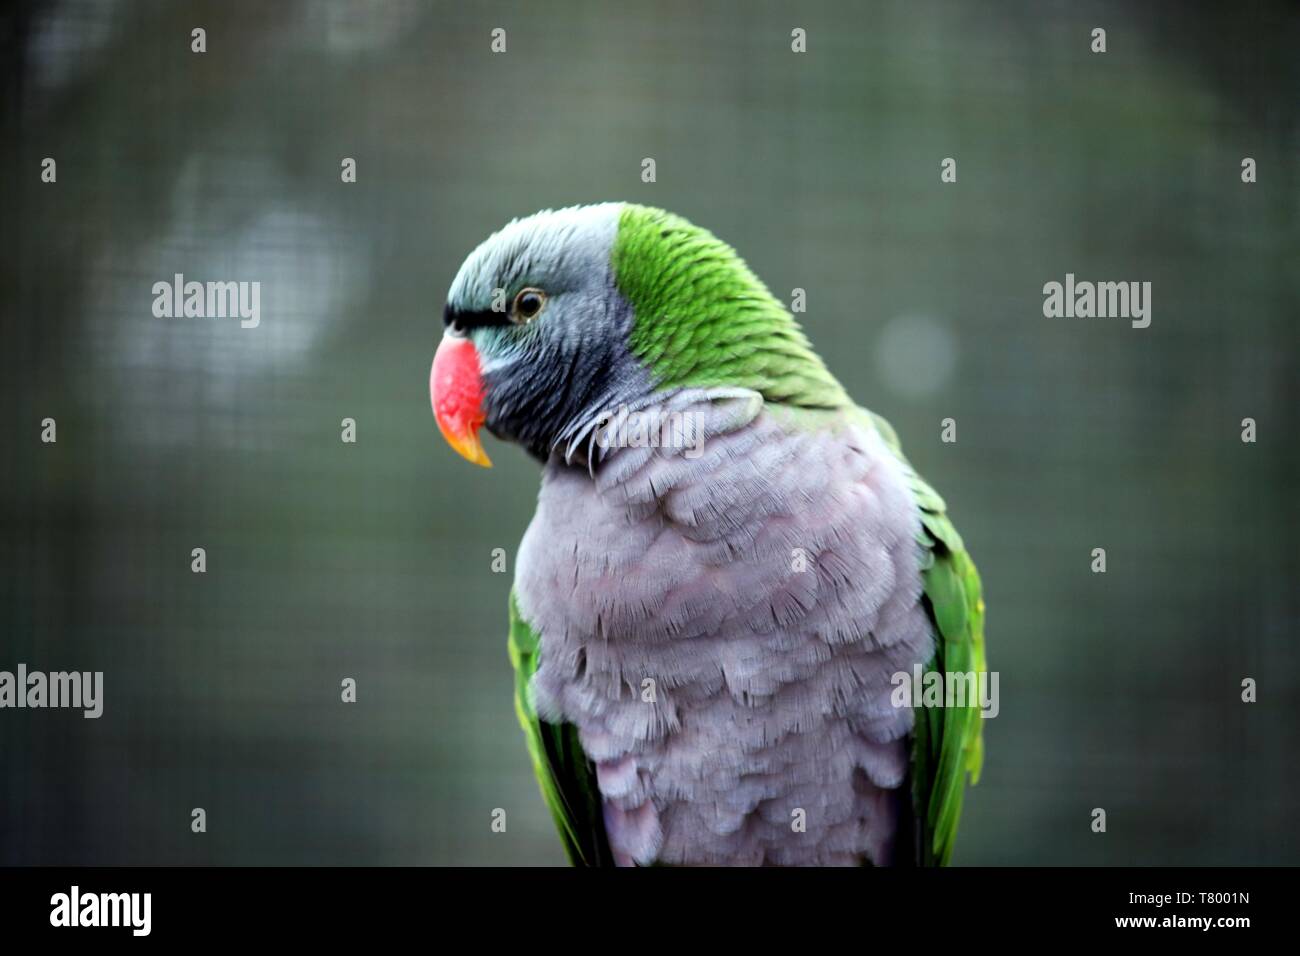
<point>328,560</point>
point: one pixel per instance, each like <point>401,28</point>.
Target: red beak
<point>456,390</point>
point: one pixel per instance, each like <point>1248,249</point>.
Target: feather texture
<point>767,591</point>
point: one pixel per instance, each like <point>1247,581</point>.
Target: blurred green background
<point>328,560</point>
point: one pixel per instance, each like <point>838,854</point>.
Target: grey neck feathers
<point>617,438</point>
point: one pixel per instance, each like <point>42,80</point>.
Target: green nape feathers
<point>704,319</point>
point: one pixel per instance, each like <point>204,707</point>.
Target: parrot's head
<point>570,313</point>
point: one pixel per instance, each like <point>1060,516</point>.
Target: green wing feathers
<point>947,745</point>
<point>947,742</point>
<point>566,776</point>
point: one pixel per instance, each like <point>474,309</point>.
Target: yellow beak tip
<point>471,449</point>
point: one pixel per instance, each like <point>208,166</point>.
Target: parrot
<point>729,566</point>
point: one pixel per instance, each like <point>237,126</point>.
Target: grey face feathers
<point>543,377</point>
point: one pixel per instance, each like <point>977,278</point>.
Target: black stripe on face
<point>463,320</point>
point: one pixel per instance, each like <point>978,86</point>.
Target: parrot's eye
<point>527,304</point>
